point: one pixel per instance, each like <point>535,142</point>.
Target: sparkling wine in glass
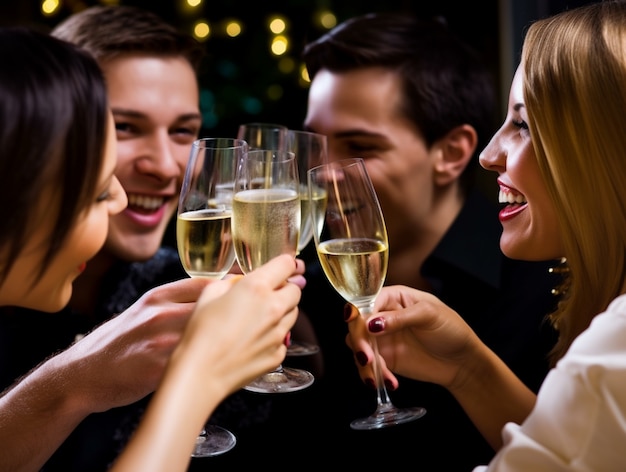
<point>311,151</point>
<point>351,243</point>
<point>265,224</point>
<point>203,236</point>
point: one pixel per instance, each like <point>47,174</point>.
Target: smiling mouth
<point>144,203</point>
<point>514,201</point>
<point>508,196</point>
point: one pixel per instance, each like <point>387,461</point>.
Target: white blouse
<point>579,420</point>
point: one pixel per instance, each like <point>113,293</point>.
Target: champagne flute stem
<point>382,399</point>
<point>381,391</point>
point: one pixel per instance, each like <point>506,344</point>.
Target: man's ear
<point>455,151</point>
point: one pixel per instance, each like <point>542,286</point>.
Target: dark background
<point>241,80</point>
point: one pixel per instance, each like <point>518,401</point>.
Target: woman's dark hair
<point>53,119</point>
<point>445,83</point>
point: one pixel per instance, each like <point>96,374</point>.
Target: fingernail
<point>288,339</point>
<point>376,325</point>
<point>361,358</point>
<point>370,383</point>
<point>347,311</point>
<point>389,384</point>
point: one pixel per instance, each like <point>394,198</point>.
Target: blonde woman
<point>560,161</point>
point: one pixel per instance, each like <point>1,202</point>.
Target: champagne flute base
<point>297,349</point>
<point>388,416</point>
<point>281,380</point>
<point>213,441</point>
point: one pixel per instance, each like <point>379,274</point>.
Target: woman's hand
<point>421,338</point>
<point>418,337</point>
<point>240,324</point>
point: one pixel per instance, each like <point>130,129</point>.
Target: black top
<point>503,300</point>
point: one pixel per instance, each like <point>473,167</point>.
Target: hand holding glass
<point>203,236</point>
<point>351,242</point>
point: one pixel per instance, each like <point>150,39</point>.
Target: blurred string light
<point>279,45</point>
<point>201,30</point>
<point>277,26</point>
<point>326,19</point>
<point>194,3</point>
<point>50,7</point>
<point>304,77</point>
<point>286,65</point>
<point>274,92</point>
<point>233,28</point>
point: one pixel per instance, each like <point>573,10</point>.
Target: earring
<point>563,269</point>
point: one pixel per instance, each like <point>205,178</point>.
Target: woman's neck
<point>86,287</point>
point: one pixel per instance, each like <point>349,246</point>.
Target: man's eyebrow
<point>358,133</point>
<point>136,114</point>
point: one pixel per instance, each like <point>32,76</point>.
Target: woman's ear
<point>455,151</point>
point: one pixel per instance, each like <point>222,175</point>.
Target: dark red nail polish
<point>376,325</point>
<point>389,385</point>
<point>370,383</point>
<point>361,358</point>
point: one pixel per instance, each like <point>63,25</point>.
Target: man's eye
<point>123,127</point>
<point>189,131</point>
<point>360,147</point>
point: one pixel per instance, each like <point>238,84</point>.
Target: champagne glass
<point>311,151</point>
<point>263,135</point>
<point>203,236</point>
<point>265,224</point>
<point>351,243</point>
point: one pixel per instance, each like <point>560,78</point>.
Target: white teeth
<point>145,202</point>
<point>508,197</point>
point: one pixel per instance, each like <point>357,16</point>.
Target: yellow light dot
<point>233,28</point>
<point>49,7</point>
<point>304,73</point>
<point>201,30</point>
<point>194,3</point>
<point>279,46</point>
<point>274,92</point>
<point>286,65</point>
<point>277,25</point>
<point>327,19</point>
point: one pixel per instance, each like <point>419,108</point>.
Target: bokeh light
<point>277,25</point>
<point>280,44</point>
<point>201,30</point>
<point>49,7</point>
<point>233,28</point>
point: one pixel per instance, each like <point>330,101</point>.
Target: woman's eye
<point>103,196</point>
<point>520,124</point>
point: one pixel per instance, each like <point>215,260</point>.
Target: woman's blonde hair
<point>575,93</point>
